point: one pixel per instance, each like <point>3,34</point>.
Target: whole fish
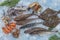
<point>37,30</point>
<point>33,29</point>
<point>22,17</point>
<point>25,21</point>
<point>29,25</point>
<point>50,17</point>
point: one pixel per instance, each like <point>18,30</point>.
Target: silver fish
<point>22,17</point>
<point>29,25</point>
<point>23,22</point>
<point>37,30</point>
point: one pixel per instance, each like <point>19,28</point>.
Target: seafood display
<point>21,19</point>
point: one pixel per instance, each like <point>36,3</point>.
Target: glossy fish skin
<point>25,21</point>
<point>41,32</point>
<point>22,17</point>
<point>29,25</point>
<point>34,29</point>
<point>37,30</point>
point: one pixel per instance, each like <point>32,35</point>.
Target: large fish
<point>50,17</point>
<point>23,22</point>
<point>37,30</point>
<point>22,17</point>
<point>29,25</point>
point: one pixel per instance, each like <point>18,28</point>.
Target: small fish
<point>37,30</point>
<point>29,25</point>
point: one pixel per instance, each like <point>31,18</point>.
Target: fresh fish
<point>33,29</point>
<point>41,32</point>
<point>50,17</point>
<point>37,30</point>
<point>25,21</point>
<point>22,17</point>
<point>29,25</point>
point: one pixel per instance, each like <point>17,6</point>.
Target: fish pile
<point>20,18</point>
